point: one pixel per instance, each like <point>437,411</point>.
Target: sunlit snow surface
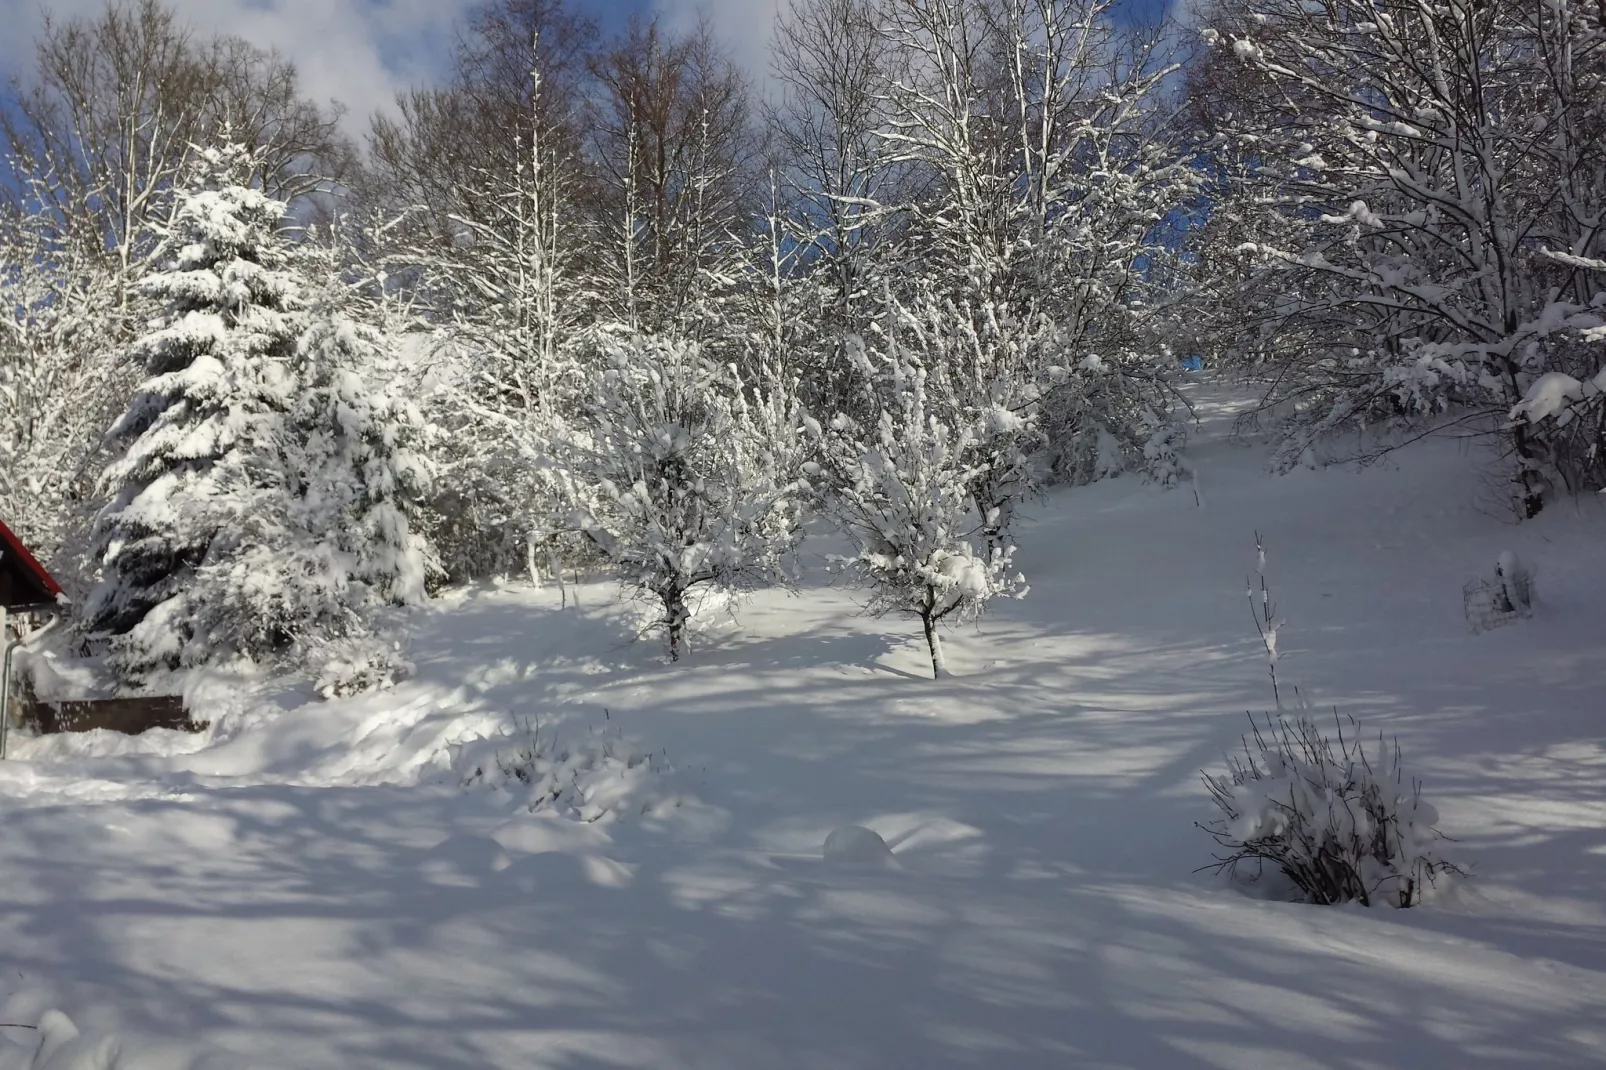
<point>313,887</point>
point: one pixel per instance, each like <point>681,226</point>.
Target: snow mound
<point>1552,394</point>
<point>855,845</point>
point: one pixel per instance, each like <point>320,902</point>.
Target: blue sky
<point>361,52</point>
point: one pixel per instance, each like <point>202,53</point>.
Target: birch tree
<point>1047,140</point>
<point>838,178</point>
<point>506,297</point>
<point>106,121</point>
<point>58,389</point>
<point>678,179</point>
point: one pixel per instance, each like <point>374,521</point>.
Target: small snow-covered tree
<point>902,488</point>
<point>975,377</point>
<point>685,477</point>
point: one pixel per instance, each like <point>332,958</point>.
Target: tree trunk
<point>998,521</point>
<point>1530,479</point>
<point>554,566</point>
<point>530,564</point>
<point>939,668</point>
<point>675,616</point>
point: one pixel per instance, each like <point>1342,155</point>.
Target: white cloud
<point>359,52</point>
<point>745,25</point>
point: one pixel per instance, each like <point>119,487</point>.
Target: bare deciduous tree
<point>1433,183</point>
<point>451,145</point>
<point>116,104</point>
<point>676,152</point>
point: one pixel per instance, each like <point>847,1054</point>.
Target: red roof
<point>29,584</point>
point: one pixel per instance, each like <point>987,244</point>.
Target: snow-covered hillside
<point>311,885</point>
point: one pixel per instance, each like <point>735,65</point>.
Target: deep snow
<point>311,886</point>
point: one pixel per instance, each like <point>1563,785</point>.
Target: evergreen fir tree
<point>357,449</point>
<point>260,504</point>
<point>200,466</point>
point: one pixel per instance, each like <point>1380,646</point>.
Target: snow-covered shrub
<point>1567,412</point>
<point>1162,455</point>
<point>355,664</point>
<point>598,776</point>
<point>1560,397</point>
<point>1336,820</point>
<point>685,477</point>
<point>1341,824</point>
<point>499,492</point>
<point>477,519</point>
<point>1001,454</point>
<point>902,490</point>
<point>1098,417</point>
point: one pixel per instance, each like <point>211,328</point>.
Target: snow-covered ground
<point>310,885</point>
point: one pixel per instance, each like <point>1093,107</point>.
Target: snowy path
<point>273,901</point>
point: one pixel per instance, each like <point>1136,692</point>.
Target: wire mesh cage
<point>1497,601</point>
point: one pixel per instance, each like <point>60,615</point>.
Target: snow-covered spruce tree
<point>222,536</point>
<point>359,477</point>
<point>685,477</point>
<point>901,486</point>
<point>200,478</point>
